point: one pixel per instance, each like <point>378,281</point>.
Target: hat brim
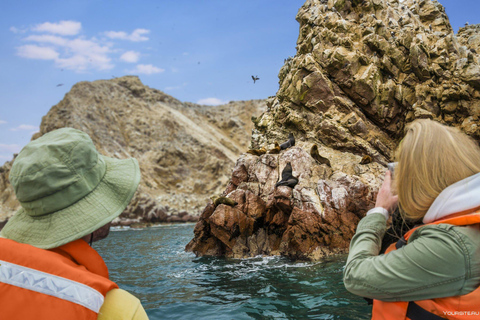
<point>106,202</point>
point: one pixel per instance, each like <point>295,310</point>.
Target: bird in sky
<point>255,78</point>
<point>60,84</point>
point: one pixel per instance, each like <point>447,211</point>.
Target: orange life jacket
<point>68,282</point>
<point>457,307</point>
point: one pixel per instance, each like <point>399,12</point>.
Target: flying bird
<point>255,78</point>
<point>60,84</point>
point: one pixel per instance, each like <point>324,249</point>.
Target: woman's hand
<point>385,197</point>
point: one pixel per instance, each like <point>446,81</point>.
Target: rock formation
<point>186,151</point>
<point>363,70</point>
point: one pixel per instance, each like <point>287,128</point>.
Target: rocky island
<point>362,71</point>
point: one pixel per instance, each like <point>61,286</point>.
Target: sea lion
<point>316,155</point>
<point>289,143</point>
<point>223,200</point>
<point>257,152</point>
<point>275,149</point>
<point>287,178</point>
<point>366,159</point>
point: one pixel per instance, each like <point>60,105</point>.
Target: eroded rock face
<point>363,70</point>
<point>315,218</point>
<point>186,151</point>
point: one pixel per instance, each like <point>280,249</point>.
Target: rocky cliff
<point>363,69</point>
<point>186,151</point>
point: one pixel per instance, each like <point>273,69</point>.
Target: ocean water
<point>173,284</point>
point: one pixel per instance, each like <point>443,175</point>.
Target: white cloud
<point>30,51</point>
<point>130,56</point>
<point>10,148</point>
<point>64,28</point>
<point>176,87</point>
<point>47,38</point>
<point>78,54</point>
<point>85,54</point>
<point>136,36</point>
<point>211,101</point>
<point>146,69</point>
<point>3,121</point>
<point>24,127</point>
<point>16,30</point>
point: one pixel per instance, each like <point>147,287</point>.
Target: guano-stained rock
<point>363,70</point>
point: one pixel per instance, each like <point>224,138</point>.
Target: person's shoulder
<point>119,304</point>
<point>463,237</point>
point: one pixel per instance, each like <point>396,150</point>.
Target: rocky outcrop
<point>315,218</point>
<point>186,151</point>
<point>363,70</point>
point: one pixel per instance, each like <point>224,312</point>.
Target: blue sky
<point>202,51</point>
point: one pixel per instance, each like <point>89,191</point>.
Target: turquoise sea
<point>173,284</point>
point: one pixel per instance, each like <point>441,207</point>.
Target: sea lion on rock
<point>289,143</point>
<point>287,178</point>
<point>275,149</point>
<point>316,155</point>
<point>257,152</point>
<point>223,200</point>
<point>366,159</point>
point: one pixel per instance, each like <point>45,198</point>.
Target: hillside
<point>186,151</point>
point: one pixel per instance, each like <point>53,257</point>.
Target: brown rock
<point>307,222</point>
<point>361,73</point>
<point>229,224</point>
<point>255,206</point>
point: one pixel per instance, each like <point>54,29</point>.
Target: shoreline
<point>136,224</point>
<point>150,226</point>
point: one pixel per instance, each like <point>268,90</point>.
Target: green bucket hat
<point>67,189</point>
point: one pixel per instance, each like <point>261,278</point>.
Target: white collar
<point>460,196</point>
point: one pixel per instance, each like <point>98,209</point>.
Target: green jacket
<point>438,261</point>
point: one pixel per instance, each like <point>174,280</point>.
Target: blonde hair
<point>430,158</point>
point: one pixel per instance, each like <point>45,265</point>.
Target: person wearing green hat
<point>69,194</point>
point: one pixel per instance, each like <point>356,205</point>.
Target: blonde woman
<point>434,271</point>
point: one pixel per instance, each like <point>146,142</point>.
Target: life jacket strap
<point>415,312</point>
<point>400,243</point>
